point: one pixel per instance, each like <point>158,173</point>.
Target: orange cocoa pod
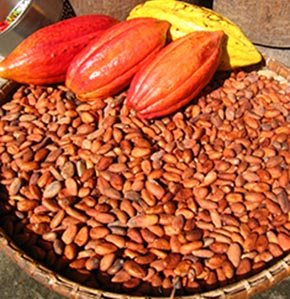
<point>107,65</point>
<point>176,74</point>
<point>44,56</point>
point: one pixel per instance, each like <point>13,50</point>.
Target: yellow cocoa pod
<point>238,51</point>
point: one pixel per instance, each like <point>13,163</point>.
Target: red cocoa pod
<point>44,56</point>
<point>109,63</point>
<point>176,74</point>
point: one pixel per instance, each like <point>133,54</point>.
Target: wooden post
<point>264,22</point>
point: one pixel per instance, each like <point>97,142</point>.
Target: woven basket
<point>245,288</point>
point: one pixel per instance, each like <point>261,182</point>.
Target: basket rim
<point>251,285</point>
<point>246,287</point>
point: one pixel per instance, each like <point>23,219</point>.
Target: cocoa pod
<point>108,64</point>
<point>176,75</point>
<point>44,56</point>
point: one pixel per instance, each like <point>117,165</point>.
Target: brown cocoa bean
<point>234,253</point>
<point>189,247</point>
<point>69,234</point>
<point>134,270</point>
<point>26,205</point>
<point>284,241</point>
<point>52,189</point>
<point>244,267</point>
<point>105,248</point>
<point>82,236</point>
<point>143,220</point>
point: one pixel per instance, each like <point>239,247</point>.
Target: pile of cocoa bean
<point>187,202</point>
